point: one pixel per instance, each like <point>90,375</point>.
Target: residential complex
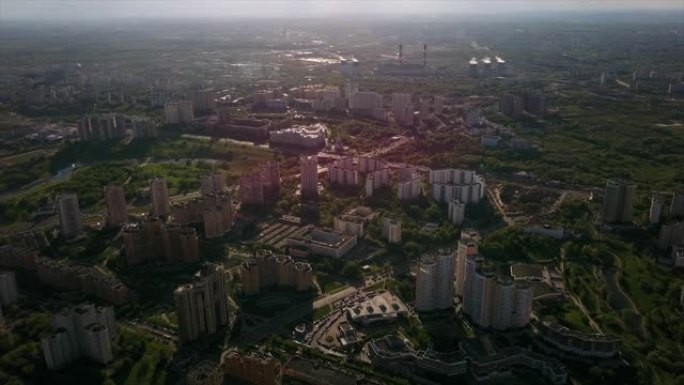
<point>202,306</point>
<point>408,186</point>
<point>213,184</point>
<point>214,212</point>
<point>178,112</point>
<point>63,274</point>
<point>268,270</point>
<point>153,240</point>
<point>465,186</point>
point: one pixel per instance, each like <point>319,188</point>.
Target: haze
<point>90,10</point>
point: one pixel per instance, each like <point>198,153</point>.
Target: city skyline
<point>296,9</point>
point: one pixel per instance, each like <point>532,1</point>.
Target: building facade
<point>202,306</point>
<point>115,205</point>
<point>69,213</point>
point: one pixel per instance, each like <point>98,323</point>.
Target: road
<point>594,325</point>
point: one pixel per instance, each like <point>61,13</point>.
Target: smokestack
<point>424,55</point>
<point>401,54</point>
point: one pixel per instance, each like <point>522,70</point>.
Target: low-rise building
<point>381,308</point>
<point>567,342</point>
<point>310,239</point>
<point>311,136</point>
<point>354,220</point>
<point>391,353</point>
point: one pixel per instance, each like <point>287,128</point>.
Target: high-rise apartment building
<point>391,230</point>
<point>153,240</point>
<point>203,102</point>
<point>464,185</point>
<point>178,112</point>
<point>656,211</point>
<point>8,288</point>
<point>491,302</point>
<point>202,306</point>
<point>213,184</point>
<point>456,212</point>
<point>308,168</point>
<point>402,108</point>
<point>159,194</point>
<point>84,330</point>
<point>69,215</point>
<point>270,175</point>
<point>115,204</point>
<point>677,205</point>
<point>618,201</point>
<point>252,188</point>
<point>466,248</point>
<point>408,186</point>
<point>435,281</point>
<point>268,270</point>
<point>251,368</point>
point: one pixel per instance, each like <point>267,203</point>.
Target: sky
<point>172,9</point>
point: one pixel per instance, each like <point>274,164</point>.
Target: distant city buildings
<point>618,201</point>
<point>202,306</point>
<point>435,281</point>
<point>391,230</point>
<point>268,270</point>
<point>465,186</point>
<point>308,168</point>
<point>153,240</point>
<point>80,331</point>
<point>203,102</point>
<point>511,105</point>
<point>69,214</point>
<point>115,204</point>
<point>159,194</point>
<point>402,108</point>
<point>178,112</point>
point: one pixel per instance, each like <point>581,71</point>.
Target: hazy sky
<point>108,9</point>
